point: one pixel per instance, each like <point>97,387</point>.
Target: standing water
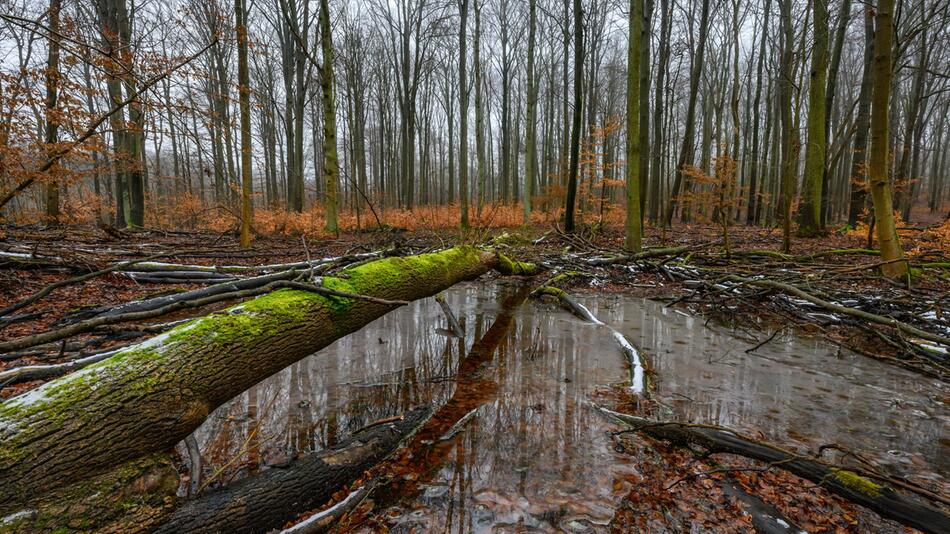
<point>528,454</point>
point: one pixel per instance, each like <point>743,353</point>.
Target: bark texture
<point>149,396</point>
<point>269,500</point>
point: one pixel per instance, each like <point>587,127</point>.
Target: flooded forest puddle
<point>529,454</point>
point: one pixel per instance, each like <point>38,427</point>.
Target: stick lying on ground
<point>78,280</point>
<point>837,308</point>
<point>149,396</point>
<point>268,500</point>
<point>842,482</point>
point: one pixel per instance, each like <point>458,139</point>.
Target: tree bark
<point>531,141</point>
<point>879,182</point>
<point>268,500</point>
<point>331,164</point>
<point>149,396</point>
<point>576,121</point>
<point>810,210</point>
<point>244,88</point>
<point>861,123</point>
<point>52,121</point>
<point>634,223</point>
<point>463,115</point>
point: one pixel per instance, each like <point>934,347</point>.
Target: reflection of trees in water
<point>383,370</point>
<point>783,388</point>
<point>534,439</point>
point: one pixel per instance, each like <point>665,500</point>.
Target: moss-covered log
<point>149,396</point>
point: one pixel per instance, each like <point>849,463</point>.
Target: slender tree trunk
<point>658,110</point>
<point>634,224</point>
<point>531,141</point>
<point>810,210</point>
<point>786,84</point>
<point>52,120</point>
<point>244,89</point>
<point>688,149</point>
<point>879,183</point>
<point>644,126</point>
<point>859,159</point>
<point>753,205</point>
<point>463,115</point>
<point>480,170</point>
<point>844,17</point>
<point>578,110</point>
<point>331,165</point>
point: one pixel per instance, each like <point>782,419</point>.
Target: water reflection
<point>531,456</point>
<point>793,390</point>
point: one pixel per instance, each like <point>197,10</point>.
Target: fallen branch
<point>837,308</point>
<point>646,254</point>
<point>76,280</point>
<point>843,482</point>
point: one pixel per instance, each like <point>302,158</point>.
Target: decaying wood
<point>837,308</point>
<point>149,396</point>
<point>77,280</point>
<point>646,254</point>
<point>878,495</point>
<point>268,500</point>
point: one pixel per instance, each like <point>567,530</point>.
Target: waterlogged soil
<point>514,445</point>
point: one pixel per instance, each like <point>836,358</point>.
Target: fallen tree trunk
<point>856,488</point>
<point>149,396</point>
<point>268,500</point>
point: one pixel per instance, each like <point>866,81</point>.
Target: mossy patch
<point>857,482</point>
<point>510,267</point>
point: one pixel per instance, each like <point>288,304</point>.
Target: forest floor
<point>693,275</point>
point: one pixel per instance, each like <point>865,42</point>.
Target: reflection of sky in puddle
<point>533,458</point>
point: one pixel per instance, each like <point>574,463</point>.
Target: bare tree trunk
<point>879,182</point>
<point>789,143</point>
<point>859,158</point>
<point>687,152</point>
<point>331,165</point>
<point>752,208</point>
<point>531,142</point>
<point>578,110</point>
<point>463,115</point>
<point>52,121</point>
<point>480,169</point>
<point>660,91</point>
<point>810,210</point>
<point>634,224</point>
<point>244,89</point>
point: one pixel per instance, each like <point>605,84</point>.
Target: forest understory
<point>57,285</point>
